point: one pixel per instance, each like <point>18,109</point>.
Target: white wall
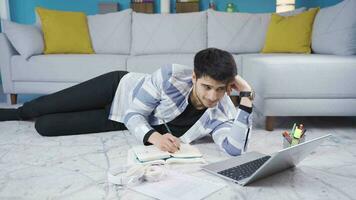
<point>4,9</point>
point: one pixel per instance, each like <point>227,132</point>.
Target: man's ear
<point>194,78</point>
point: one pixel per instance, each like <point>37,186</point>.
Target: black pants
<point>83,108</point>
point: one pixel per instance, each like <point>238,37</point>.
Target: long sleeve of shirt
<point>163,95</point>
<point>146,97</point>
<point>232,136</point>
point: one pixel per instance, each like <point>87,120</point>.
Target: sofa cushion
<point>334,30</point>
<point>64,68</point>
<point>168,33</point>
<point>239,32</point>
<point>111,32</point>
<point>290,34</point>
<point>307,76</point>
<point>65,32</point>
<point>26,39</point>
<point>150,63</point>
<point>238,61</point>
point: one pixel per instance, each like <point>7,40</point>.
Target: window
<point>285,5</point>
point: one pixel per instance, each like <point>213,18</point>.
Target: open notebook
<point>186,154</point>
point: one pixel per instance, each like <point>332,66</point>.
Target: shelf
<point>184,7</point>
<point>142,7</point>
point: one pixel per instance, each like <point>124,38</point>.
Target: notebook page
<point>148,153</point>
<point>187,151</point>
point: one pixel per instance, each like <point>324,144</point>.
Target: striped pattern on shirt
<point>142,100</point>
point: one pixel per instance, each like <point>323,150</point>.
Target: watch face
<point>252,96</point>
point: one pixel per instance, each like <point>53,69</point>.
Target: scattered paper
<point>178,186</point>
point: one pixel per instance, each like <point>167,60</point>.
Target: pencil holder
<point>295,141</point>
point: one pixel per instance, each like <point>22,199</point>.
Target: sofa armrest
<point>6,52</point>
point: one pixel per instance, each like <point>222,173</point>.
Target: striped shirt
<point>144,100</point>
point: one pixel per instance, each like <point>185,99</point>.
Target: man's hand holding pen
<point>166,142</point>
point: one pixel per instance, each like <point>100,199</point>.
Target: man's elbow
<point>230,149</point>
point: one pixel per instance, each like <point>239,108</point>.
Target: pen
<point>169,130</point>
<point>287,137</point>
<point>165,124</point>
<point>246,139</point>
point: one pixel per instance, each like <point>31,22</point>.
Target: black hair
<point>216,64</point>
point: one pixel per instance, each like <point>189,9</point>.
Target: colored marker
<point>295,141</point>
<point>303,133</point>
<point>297,133</point>
<point>287,137</point>
<point>293,129</point>
<point>301,126</point>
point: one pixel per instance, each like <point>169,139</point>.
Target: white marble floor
<point>75,167</point>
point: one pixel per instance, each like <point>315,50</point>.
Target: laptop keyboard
<point>245,170</point>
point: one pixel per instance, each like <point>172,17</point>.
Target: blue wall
<point>316,3</point>
<point>22,11</point>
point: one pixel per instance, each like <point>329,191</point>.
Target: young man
<point>173,102</point>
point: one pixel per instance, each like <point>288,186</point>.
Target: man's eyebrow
<point>213,85</point>
<point>206,85</point>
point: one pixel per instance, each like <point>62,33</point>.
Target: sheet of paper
<point>178,186</point>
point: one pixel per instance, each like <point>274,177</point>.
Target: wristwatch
<point>248,94</point>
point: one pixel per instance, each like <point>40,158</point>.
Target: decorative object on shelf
<point>230,8</point>
<point>285,5</point>
<point>212,5</point>
<point>187,6</point>
<point>165,6</point>
<point>107,7</point>
<point>142,6</point>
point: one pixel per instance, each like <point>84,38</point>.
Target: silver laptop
<point>252,166</point>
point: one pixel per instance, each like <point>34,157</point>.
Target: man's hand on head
<point>239,84</point>
<point>166,142</point>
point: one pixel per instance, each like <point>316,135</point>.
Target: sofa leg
<point>269,123</point>
<point>13,98</point>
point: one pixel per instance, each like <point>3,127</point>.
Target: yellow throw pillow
<point>65,32</point>
<point>290,34</point>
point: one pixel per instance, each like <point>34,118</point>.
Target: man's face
<point>208,91</point>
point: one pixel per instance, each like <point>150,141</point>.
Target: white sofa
<point>286,84</point>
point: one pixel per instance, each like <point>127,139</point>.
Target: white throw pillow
<point>111,32</point>
<point>168,33</point>
<point>240,32</point>
<point>26,39</point>
<point>334,29</point>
